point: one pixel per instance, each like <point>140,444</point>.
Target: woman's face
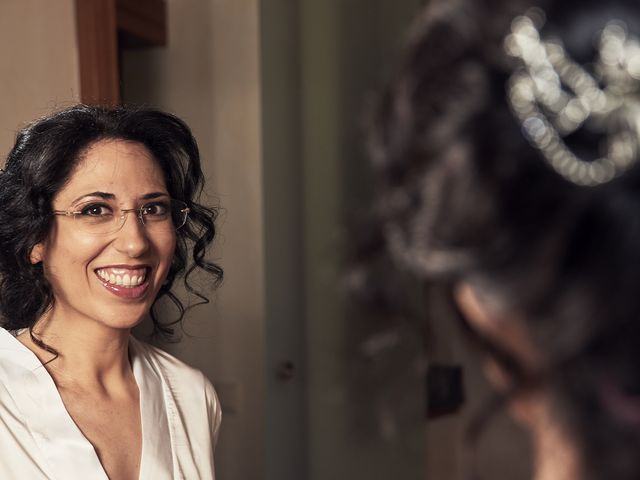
<point>112,278</point>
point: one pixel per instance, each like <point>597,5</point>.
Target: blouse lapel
<point>68,452</point>
<point>157,451</point>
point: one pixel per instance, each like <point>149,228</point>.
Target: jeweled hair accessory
<point>554,97</point>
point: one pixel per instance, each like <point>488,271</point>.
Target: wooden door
<point>105,28</point>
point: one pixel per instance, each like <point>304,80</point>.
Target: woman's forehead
<point>117,166</point>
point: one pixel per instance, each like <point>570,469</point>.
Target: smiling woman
<point>98,217</point>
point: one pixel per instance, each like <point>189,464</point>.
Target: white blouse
<point>179,409</point>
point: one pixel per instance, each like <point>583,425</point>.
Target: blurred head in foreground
<point>507,151</point>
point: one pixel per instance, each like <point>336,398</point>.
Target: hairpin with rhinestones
<point>553,97</point>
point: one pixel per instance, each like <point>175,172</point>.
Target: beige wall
<point>38,62</point>
<point>344,47</point>
<point>209,75</point>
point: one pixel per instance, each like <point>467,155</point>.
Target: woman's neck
<point>89,354</point>
<point>556,455</point>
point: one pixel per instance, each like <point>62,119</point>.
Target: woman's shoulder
<point>162,359</point>
<point>172,370</point>
<point>15,358</point>
<point>189,388</point>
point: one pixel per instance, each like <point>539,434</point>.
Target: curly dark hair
<point>41,162</point>
<point>463,195</point>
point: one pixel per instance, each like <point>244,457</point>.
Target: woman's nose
<point>132,237</point>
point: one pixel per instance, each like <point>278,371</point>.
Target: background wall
<point>352,435</point>
<point>38,62</point>
<point>209,75</point>
<point>286,349</point>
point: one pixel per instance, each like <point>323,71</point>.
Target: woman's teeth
<point>132,278</point>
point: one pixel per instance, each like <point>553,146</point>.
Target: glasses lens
<point>97,218</point>
<point>164,214</point>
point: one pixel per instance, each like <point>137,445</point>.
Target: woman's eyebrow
<point>111,196</point>
<point>105,195</point>
<point>148,196</point>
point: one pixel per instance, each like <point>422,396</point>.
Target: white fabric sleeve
<point>213,409</point>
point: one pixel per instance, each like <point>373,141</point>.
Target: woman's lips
<point>124,282</point>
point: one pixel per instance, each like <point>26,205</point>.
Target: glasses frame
<point>124,212</point>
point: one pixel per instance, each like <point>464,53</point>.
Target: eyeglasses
<point>104,217</point>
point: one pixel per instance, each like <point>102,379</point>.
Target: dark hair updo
<point>463,195</point>
<point>41,162</point>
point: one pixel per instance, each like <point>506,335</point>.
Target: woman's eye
<point>96,210</point>
<point>155,209</point>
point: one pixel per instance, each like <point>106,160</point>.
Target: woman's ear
<point>37,253</point>
<point>506,329</point>
<point>528,407</point>
<point>472,308</point>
